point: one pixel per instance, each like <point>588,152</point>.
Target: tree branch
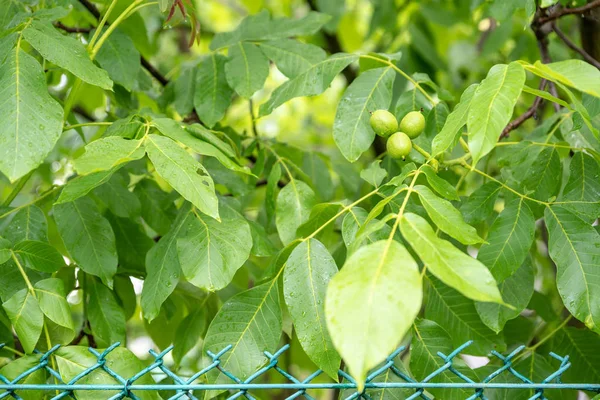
<point>568,11</point>
<point>70,29</point>
<point>145,63</point>
<point>531,112</point>
<point>574,47</point>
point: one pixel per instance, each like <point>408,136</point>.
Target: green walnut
<point>383,122</point>
<point>413,124</point>
<point>399,145</point>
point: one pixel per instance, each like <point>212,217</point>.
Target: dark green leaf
<point>213,94</point>
<point>28,223</point>
<point>188,333</point>
<point>458,315</point>
<point>574,246</point>
<point>119,57</point>
<point>480,204</point>
<point>106,316</point>
<point>88,237</point>
<point>509,240</point>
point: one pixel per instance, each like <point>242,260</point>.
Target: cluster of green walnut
<point>399,143</point>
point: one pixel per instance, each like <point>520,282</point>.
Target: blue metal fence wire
<point>193,387</point>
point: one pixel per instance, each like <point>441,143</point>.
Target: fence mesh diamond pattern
<point>193,387</point>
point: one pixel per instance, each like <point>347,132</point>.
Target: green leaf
<point>307,273</point>
<point>106,153</point>
<point>29,223</point>
<point>293,206</point>
<point>52,300</point>
<point>492,106</point>
<point>88,237</point>
<point>480,204</point>
<point>291,56</point>
<point>162,266</point>
<point>213,94</point>
<point>581,195</point>
<point>364,293</point>
<point>453,267</point>
<point>210,251</point>
<point>158,210</point>
<point>106,316</point>
<point>428,341</point>
<point>262,246</point>
<point>577,74</point>
<point>83,184</point>
<point>31,120</point>
<point>311,82</point>
<point>184,173</point>
<point>319,216</point>
<point>516,290</point>
<point>371,91</point>
<point>251,322</point>
<point>509,240</point>
<point>441,186</point>
<point>74,360</point>
<point>316,167</point>
<point>39,256</point>
<point>119,57</point>
<point>450,133</point>
<point>175,131</point>
<point>246,69</point>
<point>117,197</point>
<point>261,27</point>
<point>446,217</point>
<point>5,253</point>
<point>374,174</point>
<point>188,333</point>
<point>574,246</point>
<point>66,52</point>
<point>458,315</point>
<point>583,348</point>
<point>543,178</point>
<point>26,317</point>
<point>14,369</point>
<point>132,243</point>
<point>352,226</point>
<point>184,88</point>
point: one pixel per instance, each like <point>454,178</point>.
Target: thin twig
<point>486,34</point>
<point>252,118</point>
<point>145,63</point>
<point>568,11</point>
<point>531,112</point>
<point>541,34</point>
<point>71,29</point>
<point>574,47</point>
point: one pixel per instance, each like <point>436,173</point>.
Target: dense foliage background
<point>203,173</point>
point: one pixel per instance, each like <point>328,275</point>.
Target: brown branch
<point>541,35</point>
<point>531,112</point>
<point>574,47</point>
<point>70,29</point>
<point>145,63</point>
<point>154,72</point>
<point>568,11</point>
